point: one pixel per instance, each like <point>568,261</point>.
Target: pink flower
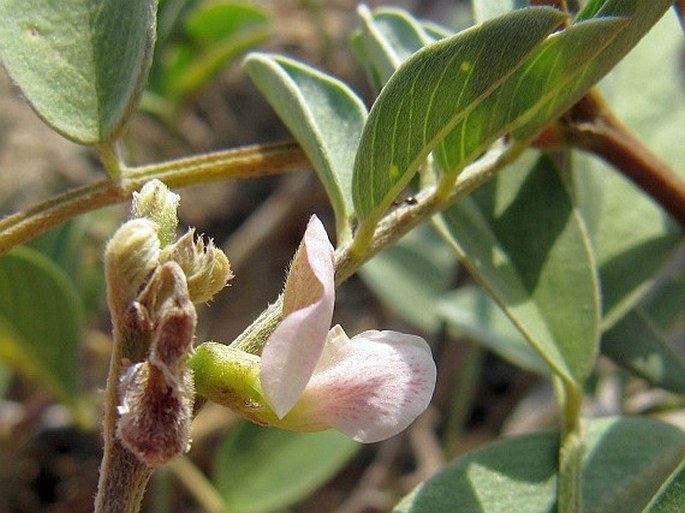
<point>370,387</point>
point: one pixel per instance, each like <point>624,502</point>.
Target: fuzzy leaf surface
<point>325,116</point>
<point>81,64</point>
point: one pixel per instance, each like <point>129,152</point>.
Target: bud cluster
<point>152,283</point>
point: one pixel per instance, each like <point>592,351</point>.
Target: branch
<point>245,162</point>
<point>593,128</point>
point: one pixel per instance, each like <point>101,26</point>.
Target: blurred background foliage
<point>54,336</point>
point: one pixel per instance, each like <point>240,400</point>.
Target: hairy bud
<point>206,267</point>
<point>156,395</point>
<point>156,202</point>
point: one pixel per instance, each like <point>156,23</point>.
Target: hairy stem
<point>571,448</point>
<point>239,163</point>
<point>123,477</point>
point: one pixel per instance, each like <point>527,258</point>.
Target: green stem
<point>198,485</point>
<point>246,162</point>
<point>570,492</point>
<point>109,156</point>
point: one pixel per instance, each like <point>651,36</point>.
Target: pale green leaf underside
<point>81,64</point>
<point>324,115</point>
<point>470,312</point>
<point>262,469</point>
<point>389,36</point>
<point>41,321</point>
<point>638,344</point>
<point>430,93</point>
<point>522,238</point>
<point>625,462</point>
<point>671,496</point>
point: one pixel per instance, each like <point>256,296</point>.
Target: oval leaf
<point>260,469</point>
<point>519,474</point>
<point>81,64</point>
<point>324,115</point>
<point>389,37</point>
<point>41,322</point>
<point>521,237</point>
<point>430,93</point>
<point>639,340</point>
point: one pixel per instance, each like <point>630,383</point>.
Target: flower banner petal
<point>292,351</point>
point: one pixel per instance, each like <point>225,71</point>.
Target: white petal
<point>372,386</point>
<point>292,351</point>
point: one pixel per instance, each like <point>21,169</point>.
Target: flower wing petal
<point>372,386</point>
<point>291,353</point>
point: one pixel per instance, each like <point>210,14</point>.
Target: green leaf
<point>215,34</point>
<point>637,344</point>
<point>641,17</point>
<point>671,496</point>
<point>521,237</point>
<point>325,116</point>
<point>430,93</point>
<point>389,36</point>
<point>545,75</point>
<point>5,379</point>
<point>472,313</point>
<point>81,64</point>
<point>632,236</point>
<point>416,270</point>
<point>639,340</point>
<point>625,461</point>
<point>262,469</point>
<point>41,322</point>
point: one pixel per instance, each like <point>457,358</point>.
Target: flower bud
<point>156,395</point>
<point>206,267</point>
<point>131,255</point>
<point>155,414</point>
<point>156,202</point>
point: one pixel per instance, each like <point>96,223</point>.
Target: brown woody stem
<point>593,128</point>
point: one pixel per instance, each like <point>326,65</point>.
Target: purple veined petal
<point>291,353</point>
<point>372,386</point>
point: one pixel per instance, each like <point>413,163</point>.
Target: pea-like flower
<point>311,376</point>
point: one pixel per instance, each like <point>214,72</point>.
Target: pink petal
<point>292,351</point>
<point>372,386</point>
